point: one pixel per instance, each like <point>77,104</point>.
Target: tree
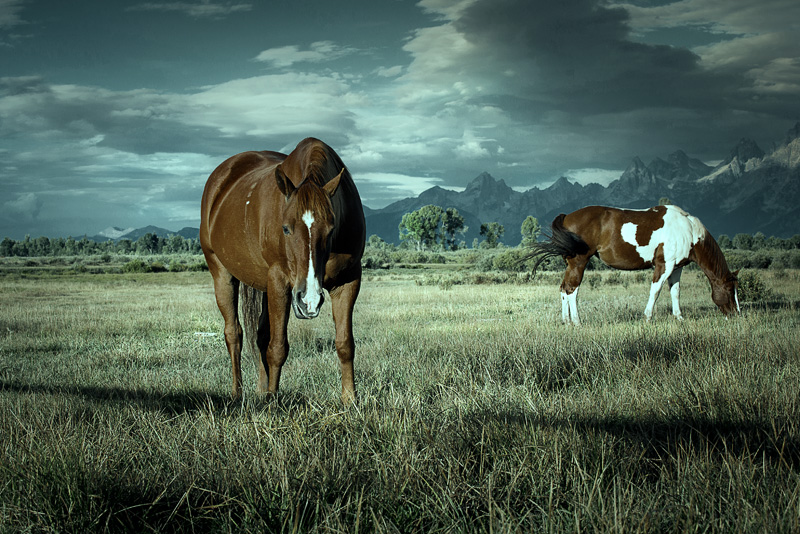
<point>724,241</point>
<point>174,244</point>
<point>420,228</point>
<point>743,241</point>
<point>530,230</point>
<point>6,247</point>
<point>452,224</point>
<point>493,231</point>
<point>147,244</point>
<point>759,241</point>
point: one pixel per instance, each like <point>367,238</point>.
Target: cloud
<point>25,207</point>
<point>10,13</point>
<point>286,56</point>
<point>204,9</point>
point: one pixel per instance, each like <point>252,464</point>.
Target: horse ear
<point>736,273</point>
<point>330,187</point>
<point>284,184</point>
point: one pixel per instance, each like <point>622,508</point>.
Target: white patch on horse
<point>679,233</point>
<point>313,289</point>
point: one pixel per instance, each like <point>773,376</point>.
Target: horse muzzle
<point>306,305</point>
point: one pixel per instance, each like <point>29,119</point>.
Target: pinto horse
<point>664,237</point>
<point>286,227</point>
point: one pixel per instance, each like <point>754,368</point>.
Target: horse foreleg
<point>674,282</point>
<point>278,300</point>
<point>343,299</point>
<point>569,288</point>
<point>262,343</point>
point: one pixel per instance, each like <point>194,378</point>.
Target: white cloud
<point>9,13</point>
<point>471,146</point>
<point>286,56</point>
<point>377,189</point>
<point>390,72</point>
<point>291,104</point>
<point>592,176</point>
<point>204,9</point>
<point>25,207</point>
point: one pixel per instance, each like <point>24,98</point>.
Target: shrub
<point>376,259</point>
<point>199,266</point>
<point>752,288</point>
<point>157,267</point>
<point>176,266</point>
<point>136,266</point>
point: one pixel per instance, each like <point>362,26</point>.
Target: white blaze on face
<point>313,289</point>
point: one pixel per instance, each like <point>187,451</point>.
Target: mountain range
<point>115,233</point>
<point>749,191</point>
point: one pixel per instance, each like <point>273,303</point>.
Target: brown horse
<point>287,227</point>
<point>664,237</point>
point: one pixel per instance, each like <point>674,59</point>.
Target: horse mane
<point>317,165</point>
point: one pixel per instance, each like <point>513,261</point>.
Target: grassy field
<point>478,411</point>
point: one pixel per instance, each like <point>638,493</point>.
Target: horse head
<point>725,294</point>
<point>308,222</point>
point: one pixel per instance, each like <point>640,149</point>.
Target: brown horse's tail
<point>251,301</point>
<point>560,243</point>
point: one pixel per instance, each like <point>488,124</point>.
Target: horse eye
<point>286,230</point>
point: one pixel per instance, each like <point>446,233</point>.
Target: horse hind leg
<point>674,283</point>
<point>226,292</point>
<point>343,299</point>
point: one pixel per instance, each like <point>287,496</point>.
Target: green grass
<point>477,411</point>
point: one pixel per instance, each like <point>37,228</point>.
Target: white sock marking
<point>313,290</point>
<point>573,307</point>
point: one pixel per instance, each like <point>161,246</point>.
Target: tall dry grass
<point>478,411</point>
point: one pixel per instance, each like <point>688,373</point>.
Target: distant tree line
<point>433,228</point>
<point>148,244</point>
<point>758,241</point>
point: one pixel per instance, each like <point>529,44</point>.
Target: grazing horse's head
<point>724,293</point>
<point>308,221</point>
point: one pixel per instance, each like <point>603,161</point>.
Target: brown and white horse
<point>664,237</point>
<point>287,227</point>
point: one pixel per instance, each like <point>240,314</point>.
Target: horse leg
<point>662,271</point>
<point>262,342</point>
<point>226,292</point>
<point>569,288</point>
<point>674,283</point>
<point>343,299</point>
<point>278,302</point>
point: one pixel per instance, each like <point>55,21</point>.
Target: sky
<point>115,113</point>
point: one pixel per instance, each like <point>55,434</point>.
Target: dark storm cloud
<point>578,57</point>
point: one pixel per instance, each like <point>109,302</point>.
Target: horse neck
<point>709,257</point>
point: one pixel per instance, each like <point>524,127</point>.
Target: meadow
<point>478,411</point>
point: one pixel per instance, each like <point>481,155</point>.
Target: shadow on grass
<point>776,439</point>
<point>172,403</point>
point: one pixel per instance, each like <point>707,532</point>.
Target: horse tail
<point>560,243</point>
<point>251,301</point>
